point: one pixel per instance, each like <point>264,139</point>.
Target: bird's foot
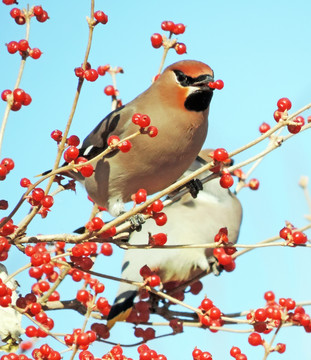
<point>215,266</point>
<point>194,186</point>
<point>136,222</point>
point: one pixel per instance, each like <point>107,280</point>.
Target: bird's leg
<point>214,265</point>
<point>194,186</point>
<point>136,222</point>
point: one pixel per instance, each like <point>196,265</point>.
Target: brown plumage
<point>178,105</point>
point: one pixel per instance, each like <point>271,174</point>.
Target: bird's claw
<point>194,186</point>
<point>214,265</point>
<point>136,222</point>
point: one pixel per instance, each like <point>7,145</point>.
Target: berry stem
<point>18,80</point>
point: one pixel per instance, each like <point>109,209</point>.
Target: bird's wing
<point>96,141</point>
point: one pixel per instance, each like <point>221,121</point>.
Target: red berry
<point>27,100</point>
<point>125,146</point>
<point>152,131</point>
<point>90,75</point>
<point>280,348</point>
<point>145,271</point>
<point>79,72</point>
<point>264,127</point>
<point>219,84</point>
<point>160,218</point>
<point>167,26</point>
<point>71,154</point>
<point>37,10</point>
<point>3,171</point>
<point>106,249</point>
<point>110,90</point>
<point>294,129</point>
<point>157,206</point>
<point>87,170</point>
<point>73,140</point>
<point>277,115</point>
<point>156,40</point>
<point>102,69</point>
<point>97,223</point>
<point>260,315</point>
<point>255,339</point>
<point>15,12</point>
<point>35,53</point>
<point>37,194</point>
<point>20,20</point>
<point>284,104</point>
<point>144,121</point>
<point>285,232</point>
<point>101,17</point>
<point>23,45</point>
<point>47,201</point>
<point>179,29</point>
<point>180,48</point>
<point>43,17</point>
<point>140,196</point>
<point>31,331</point>
<point>5,93</point>
<point>159,239</point>
<point>226,181</point>
<point>57,135</point>
<point>154,280</point>
<point>235,351</point>
<point>220,154</point>
<point>299,237</point>
<point>16,105</point>
<point>269,296</point>
<point>19,95</point>
<point>113,140</point>
<point>12,47</point>
<point>206,304</point>
<point>253,184</point>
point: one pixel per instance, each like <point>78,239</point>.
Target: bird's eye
<point>181,77</point>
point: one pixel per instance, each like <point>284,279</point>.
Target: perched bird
<point>190,221</point>
<point>10,323</point>
<point>178,105</point>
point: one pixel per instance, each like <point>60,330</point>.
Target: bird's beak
<point>203,81</point>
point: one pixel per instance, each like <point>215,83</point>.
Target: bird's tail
<point>122,308</point>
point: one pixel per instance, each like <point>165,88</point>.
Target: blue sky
<point>261,49</point>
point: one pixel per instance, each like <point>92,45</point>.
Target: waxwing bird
<point>190,221</point>
<point>178,105</point>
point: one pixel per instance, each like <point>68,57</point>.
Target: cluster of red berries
<point>159,239</point>
<point>147,334</point>
<point>149,276</point>
<point>71,154</point>
<point>17,98</point>
<point>236,353</point>
<point>210,314</point>
<point>8,228</point>
<point>140,314</point>
<point>172,28</point>
<point>218,84</point>
<point>38,198</point>
<point>45,352</point>
<point>86,298</point>
<point>143,121</point>
<point>19,15</point>
<point>24,49</point>
<point>198,354</point>
<point>5,294</point>
<point>224,254</point>
<point>293,236</point>
<point>38,254</point>
<point>284,104</point>
<point>145,353</point>
<point>154,210</point>
<point>91,74</point>
<point>13,356</point>
<point>80,338</point>
<point>4,248</point>
<point>96,224</point>
<point>266,318</point>
<point>221,157</point>
<point>6,165</point>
